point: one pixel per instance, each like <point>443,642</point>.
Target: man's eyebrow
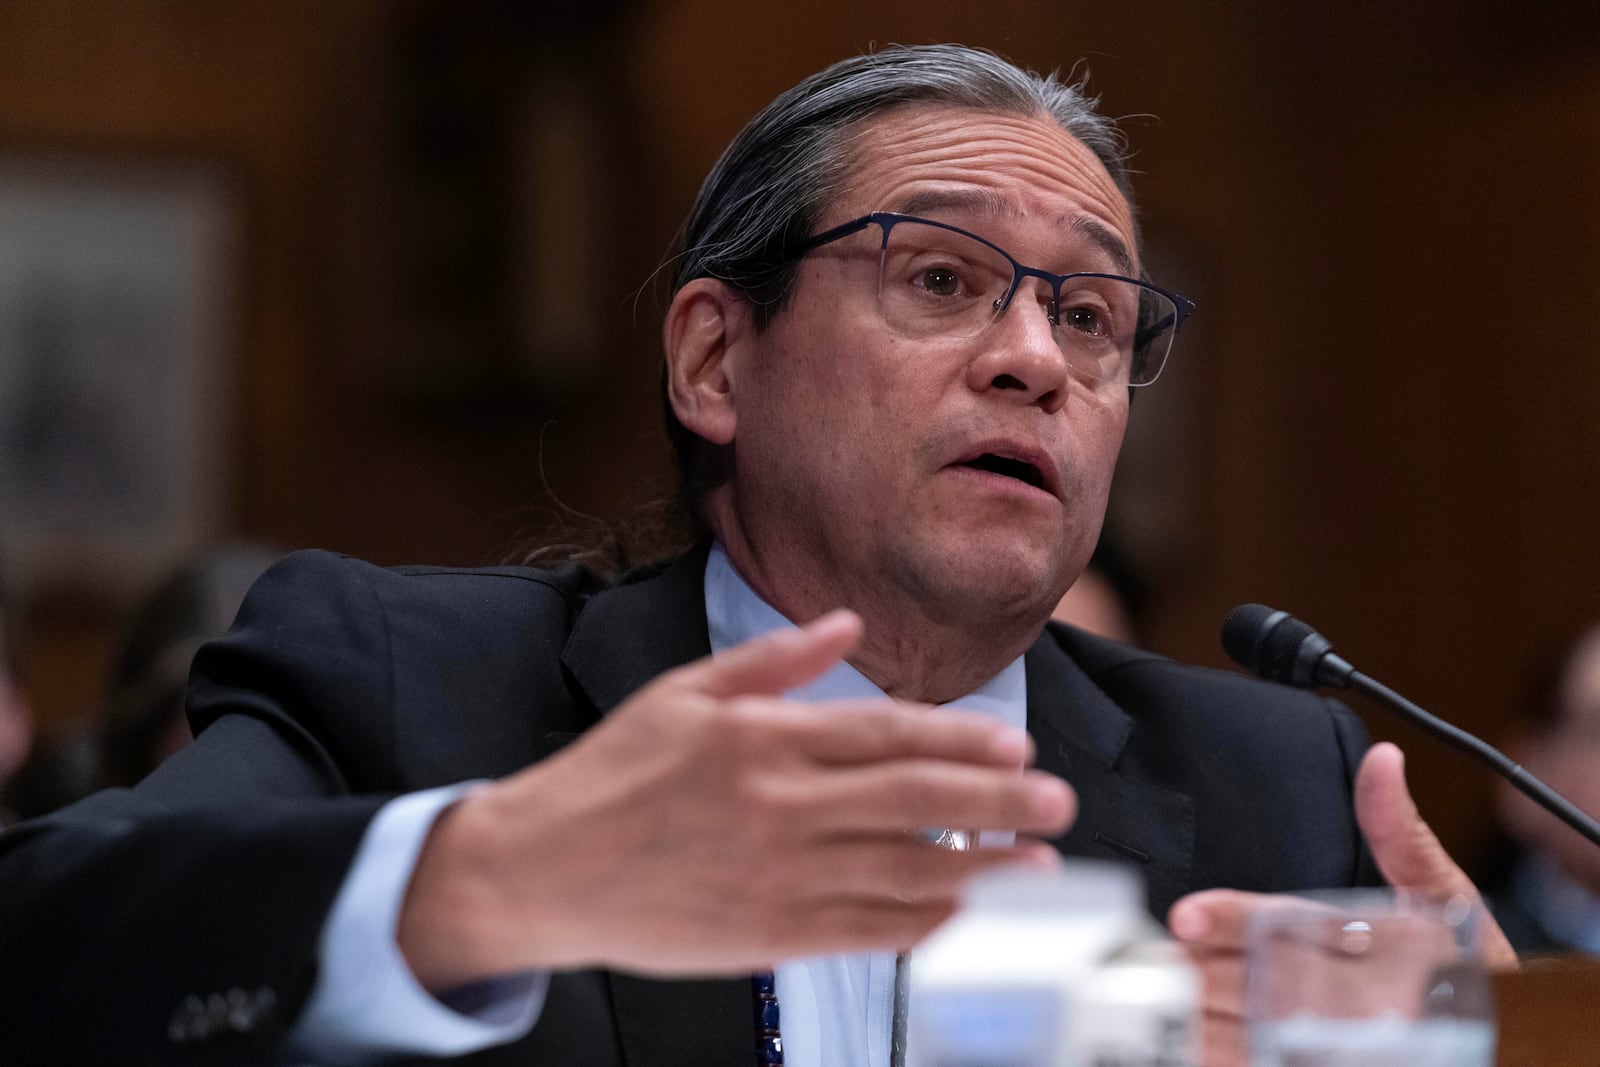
<point>1109,243</point>
<point>988,202</point>
<point>973,201</point>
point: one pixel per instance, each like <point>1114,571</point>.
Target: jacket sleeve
<point>178,922</point>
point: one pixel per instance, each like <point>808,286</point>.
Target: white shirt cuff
<point>366,1003</point>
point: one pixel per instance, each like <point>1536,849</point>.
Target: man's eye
<point>1086,319</point>
<point>941,281</point>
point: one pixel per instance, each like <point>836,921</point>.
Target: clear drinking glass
<point>1375,978</point>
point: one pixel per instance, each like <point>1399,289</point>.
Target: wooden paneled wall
<point>1382,418</point>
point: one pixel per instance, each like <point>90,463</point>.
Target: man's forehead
<point>935,160</point>
<point>988,203</point>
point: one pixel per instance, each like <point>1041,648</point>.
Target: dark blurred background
<point>440,223</point>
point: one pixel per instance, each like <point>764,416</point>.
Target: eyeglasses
<point>935,280</point>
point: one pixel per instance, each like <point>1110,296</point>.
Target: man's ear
<point>706,321</point>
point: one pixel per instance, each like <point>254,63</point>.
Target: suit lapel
<point>1081,734</point>
<point>623,638</point>
<point>628,634</point>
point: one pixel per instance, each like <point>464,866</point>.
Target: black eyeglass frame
<point>1183,307</point>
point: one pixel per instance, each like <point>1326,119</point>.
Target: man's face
<point>887,465</point>
<point>1568,759</point>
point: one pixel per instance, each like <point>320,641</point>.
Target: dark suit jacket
<point>178,922</point>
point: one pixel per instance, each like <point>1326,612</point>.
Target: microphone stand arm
<point>1531,786</point>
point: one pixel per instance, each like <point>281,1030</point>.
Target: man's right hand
<point>708,827</point>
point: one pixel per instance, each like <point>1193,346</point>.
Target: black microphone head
<point>1242,631</point>
<point>1267,642</point>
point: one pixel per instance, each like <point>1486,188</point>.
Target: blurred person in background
<point>1545,886</point>
<point>16,722</point>
<point>140,721</point>
<point>1109,598</point>
<point>143,720</point>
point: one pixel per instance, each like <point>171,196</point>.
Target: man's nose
<point>1019,356</point>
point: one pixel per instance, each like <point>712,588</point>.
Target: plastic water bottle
<point>1053,969</point>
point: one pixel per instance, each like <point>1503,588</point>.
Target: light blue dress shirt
<point>835,1010</point>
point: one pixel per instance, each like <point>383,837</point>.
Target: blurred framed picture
<point>117,290</point>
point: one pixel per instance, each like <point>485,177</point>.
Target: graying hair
<point>772,183</point>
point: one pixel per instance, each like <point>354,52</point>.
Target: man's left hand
<point>1211,924</point>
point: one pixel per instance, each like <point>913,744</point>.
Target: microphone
<point>1280,648</point>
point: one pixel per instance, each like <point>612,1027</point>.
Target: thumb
<point>780,660</point>
<point>1407,852</point>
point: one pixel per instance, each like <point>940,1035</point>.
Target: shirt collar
<point>735,614</point>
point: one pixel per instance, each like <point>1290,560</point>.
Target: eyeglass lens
<point>935,282</point>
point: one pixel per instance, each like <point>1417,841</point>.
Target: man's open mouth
<point>1021,470</point>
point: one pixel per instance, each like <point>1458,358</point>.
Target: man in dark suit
<point>898,439</point>
<point>1544,884</point>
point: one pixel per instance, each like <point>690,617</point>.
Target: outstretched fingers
<point>907,868</point>
<point>775,661</point>
<point>870,731</point>
<point>913,794</point>
<point>895,898</point>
